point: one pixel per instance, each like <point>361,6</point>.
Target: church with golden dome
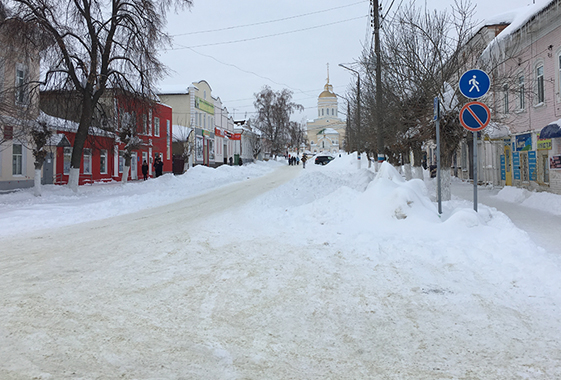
<point>326,133</point>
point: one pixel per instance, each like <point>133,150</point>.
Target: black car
<point>323,160</point>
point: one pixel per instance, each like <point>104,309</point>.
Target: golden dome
<point>327,92</point>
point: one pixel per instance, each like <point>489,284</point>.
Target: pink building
<point>525,67</point>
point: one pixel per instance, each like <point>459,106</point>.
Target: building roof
<point>327,92</point>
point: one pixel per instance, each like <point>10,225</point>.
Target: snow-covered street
<point>270,271</point>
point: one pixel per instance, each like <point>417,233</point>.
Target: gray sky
<point>240,46</point>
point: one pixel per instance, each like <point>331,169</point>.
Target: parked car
<point>323,160</point>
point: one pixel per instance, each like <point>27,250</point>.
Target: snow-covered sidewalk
<point>339,273</point>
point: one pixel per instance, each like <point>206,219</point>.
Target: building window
<point>21,88</point>
<point>168,138</point>
<point>539,82</point>
<point>521,91</point>
<point>17,159</point>
<point>505,99</point>
<point>66,163</point>
<point>157,126</point>
<point>103,162</point>
<point>322,110</point>
<point>150,122</point>
<point>87,161</point>
<point>121,160</point>
<point>8,132</point>
<point>144,124</point>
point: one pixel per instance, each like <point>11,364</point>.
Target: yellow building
<point>327,132</point>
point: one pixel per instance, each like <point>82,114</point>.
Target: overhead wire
<point>265,36</point>
<point>267,22</point>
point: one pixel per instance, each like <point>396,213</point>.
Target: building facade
<point>195,107</point>
<point>19,109</point>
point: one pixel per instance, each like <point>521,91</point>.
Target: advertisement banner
<point>503,167</point>
<point>544,144</point>
<point>555,162</point>
<point>532,165</point>
<point>516,164</point>
<point>203,105</point>
<point>523,142</point>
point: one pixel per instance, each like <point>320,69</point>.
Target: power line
<point>266,36</point>
<point>266,22</point>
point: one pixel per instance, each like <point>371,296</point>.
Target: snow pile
<point>59,206</point>
<point>543,201</point>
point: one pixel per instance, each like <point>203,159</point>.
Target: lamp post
<point>358,129</point>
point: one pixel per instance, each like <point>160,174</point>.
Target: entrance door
<point>508,166</point>
<point>134,166</point>
<point>48,170</point>
<point>543,167</point>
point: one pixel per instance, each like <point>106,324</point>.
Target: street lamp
<point>357,104</point>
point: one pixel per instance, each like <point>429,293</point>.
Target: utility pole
<point>377,51</point>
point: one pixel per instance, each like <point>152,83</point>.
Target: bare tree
<point>95,46</point>
<point>183,144</point>
<point>274,109</point>
<point>422,55</point>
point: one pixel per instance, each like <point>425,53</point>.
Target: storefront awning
<point>551,131</point>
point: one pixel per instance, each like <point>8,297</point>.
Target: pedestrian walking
<point>158,166</point>
<point>145,170</point>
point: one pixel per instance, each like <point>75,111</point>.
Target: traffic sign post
<point>437,126</point>
<point>474,117</point>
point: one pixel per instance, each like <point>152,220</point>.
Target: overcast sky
<point>240,46</point>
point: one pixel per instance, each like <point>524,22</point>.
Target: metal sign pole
<point>437,120</point>
<point>475,171</point>
<point>438,188</point>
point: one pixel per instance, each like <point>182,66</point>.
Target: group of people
<point>158,168</point>
<point>295,160</point>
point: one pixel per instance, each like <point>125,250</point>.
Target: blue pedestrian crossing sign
<point>474,84</point>
<point>475,116</point>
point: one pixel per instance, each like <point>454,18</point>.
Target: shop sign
<point>555,162</point>
<point>544,144</point>
<point>218,132</point>
<point>523,142</point>
<point>203,105</point>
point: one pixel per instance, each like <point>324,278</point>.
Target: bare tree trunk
<point>37,182</point>
<point>73,179</point>
<point>125,176</point>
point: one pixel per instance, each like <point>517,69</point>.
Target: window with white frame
<point>521,93</point>
<point>121,161</point>
<point>505,99</point>
<point>87,161</point>
<point>17,159</point>
<point>168,138</point>
<point>103,161</point>
<point>21,88</point>
<point>157,126</point>
<point>540,93</point>
<point>66,160</point>
<point>144,124</point>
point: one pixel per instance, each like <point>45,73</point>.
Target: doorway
<point>508,166</point>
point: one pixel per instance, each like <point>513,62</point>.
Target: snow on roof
<point>180,132</point>
<point>57,122</point>
<point>328,131</point>
<point>496,130</point>
<point>174,89</point>
<point>517,18</point>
